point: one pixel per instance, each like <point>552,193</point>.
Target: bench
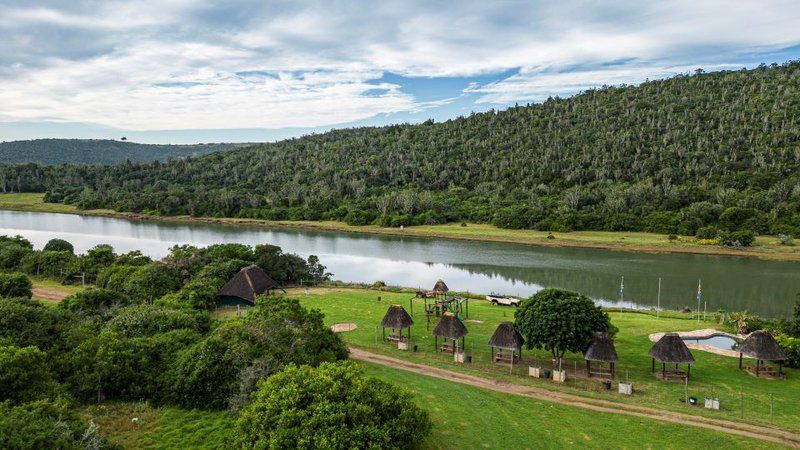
<point>448,347</point>
<point>502,357</point>
<point>395,338</point>
<point>672,375</point>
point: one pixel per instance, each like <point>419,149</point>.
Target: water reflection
<point>764,287</point>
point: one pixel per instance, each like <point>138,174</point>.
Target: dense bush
<point>332,406</point>
<point>47,425</point>
<point>58,245</point>
<point>94,301</point>
<point>25,375</point>
<point>15,285</point>
<point>142,320</point>
<point>560,321</point>
<point>791,345</point>
<point>25,322</point>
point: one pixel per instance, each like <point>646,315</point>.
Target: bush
<point>58,245</point>
<point>785,239</point>
<point>708,232</point>
<point>141,320</point>
<point>791,346</point>
<point>25,322</point>
<point>333,406</point>
<point>94,301</point>
<point>736,238</point>
<point>46,424</point>
<point>15,285</point>
<point>24,375</point>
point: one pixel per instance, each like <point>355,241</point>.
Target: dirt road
<point>741,429</point>
<point>49,293</point>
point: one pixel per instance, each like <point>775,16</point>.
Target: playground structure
<point>436,303</point>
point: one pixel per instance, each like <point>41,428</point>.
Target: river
<point>765,287</point>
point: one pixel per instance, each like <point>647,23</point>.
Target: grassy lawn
<point>765,246</point>
<point>50,291</point>
<point>712,374</point>
<point>470,417</point>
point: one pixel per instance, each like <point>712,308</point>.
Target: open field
<point>743,398</point>
<point>51,291</point>
<point>765,246</point>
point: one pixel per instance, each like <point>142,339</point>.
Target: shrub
<point>785,239</point>
<point>745,322</point>
<point>25,322</point>
<point>15,285</point>
<point>141,320</point>
<point>94,301</point>
<point>736,238</point>
<point>560,321</point>
<point>332,406</point>
<point>791,346</point>
<point>708,232</point>
<point>151,282</point>
<point>58,245</point>
<point>46,424</point>
<point>24,375</point>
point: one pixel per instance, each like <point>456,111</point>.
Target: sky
<point>188,71</point>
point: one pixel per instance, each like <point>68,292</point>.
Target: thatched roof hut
<point>396,318</point>
<point>245,286</point>
<point>450,327</point>
<point>761,345</point>
<point>440,287</point>
<point>671,349</point>
<point>506,337</point>
<point>601,349</point>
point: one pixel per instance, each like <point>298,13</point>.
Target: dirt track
<point>741,429</point>
<point>49,293</point>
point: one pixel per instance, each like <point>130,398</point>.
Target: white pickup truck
<point>497,299</point>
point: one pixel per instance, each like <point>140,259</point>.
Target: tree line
<point>698,154</point>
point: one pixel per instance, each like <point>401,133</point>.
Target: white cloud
<point>172,65</point>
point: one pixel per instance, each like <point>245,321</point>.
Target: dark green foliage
<point>791,345</point>
<point>707,232</point>
<point>24,375</point>
<point>94,301</point>
<point>58,245</point>
<point>12,250</point>
<point>707,149</point>
<point>741,238</point>
<point>277,332</point>
<point>15,285</point>
<point>142,320</point>
<point>333,407</point>
<point>46,425</point>
<point>150,282</point>
<point>25,322</point>
<point>560,321</point>
<point>96,151</point>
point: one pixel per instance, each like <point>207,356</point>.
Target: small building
<point>450,328</point>
<point>671,349</point>
<point>601,350</point>
<point>243,288</point>
<point>763,347</point>
<point>396,319</point>
<point>508,340</point>
<point>440,288</point>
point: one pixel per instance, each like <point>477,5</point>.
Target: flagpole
<point>699,293</point>
<point>622,289</point>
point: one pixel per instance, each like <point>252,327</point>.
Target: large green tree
<point>560,321</point>
<point>331,407</point>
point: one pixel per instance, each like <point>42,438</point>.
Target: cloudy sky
<point>182,71</point>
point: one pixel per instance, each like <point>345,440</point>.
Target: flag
<point>622,288</point>
<point>699,291</point>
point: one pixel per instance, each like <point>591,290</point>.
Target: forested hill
<point>96,151</point>
<point>675,155</point>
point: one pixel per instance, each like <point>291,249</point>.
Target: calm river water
<point>765,287</point>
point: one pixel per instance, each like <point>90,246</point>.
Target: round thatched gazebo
<point>601,350</point>
<point>763,347</point>
<point>396,319</point>
<point>506,338</point>
<point>449,328</point>
<point>671,349</point>
<point>440,288</point>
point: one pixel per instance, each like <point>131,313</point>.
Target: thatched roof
<point>440,287</point>
<point>671,349</point>
<point>601,349</point>
<point>247,284</point>
<point>396,318</point>
<point>506,337</point>
<point>450,327</point>
<point>761,345</point>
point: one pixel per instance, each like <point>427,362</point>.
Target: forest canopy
<point>707,153</point>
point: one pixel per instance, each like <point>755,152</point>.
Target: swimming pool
<point>718,341</point>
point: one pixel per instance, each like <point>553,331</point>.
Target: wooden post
<point>740,360</point>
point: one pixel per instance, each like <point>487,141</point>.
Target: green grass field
<point>463,416</point>
<point>711,375</point>
<point>765,246</point>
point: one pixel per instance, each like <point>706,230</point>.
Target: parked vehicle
<point>498,299</point>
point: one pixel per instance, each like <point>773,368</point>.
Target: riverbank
<point>766,247</point>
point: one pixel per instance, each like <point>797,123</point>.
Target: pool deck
<point>702,334</point>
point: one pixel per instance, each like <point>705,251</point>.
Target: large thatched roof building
<point>602,350</point>
<point>763,347</point>
<point>671,349</point>
<point>243,288</point>
<point>449,328</point>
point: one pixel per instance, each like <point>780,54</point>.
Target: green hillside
<point>96,151</point>
<point>717,149</point>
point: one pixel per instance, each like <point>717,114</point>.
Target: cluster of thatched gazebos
<point>601,355</point>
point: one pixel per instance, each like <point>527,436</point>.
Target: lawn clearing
<point>742,396</point>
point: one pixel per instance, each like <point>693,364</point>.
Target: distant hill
<point>97,151</point>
